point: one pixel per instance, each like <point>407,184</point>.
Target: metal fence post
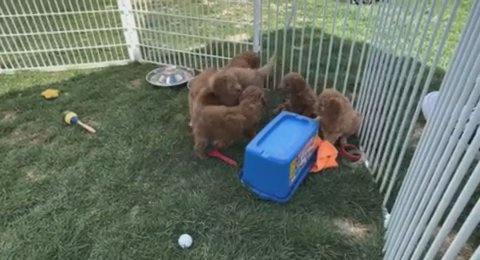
<point>129,29</point>
<point>257,25</point>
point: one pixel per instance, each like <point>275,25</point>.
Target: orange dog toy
<point>326,156</point>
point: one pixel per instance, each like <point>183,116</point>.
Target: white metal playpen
<point>383,54</point>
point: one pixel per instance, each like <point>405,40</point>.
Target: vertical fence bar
<point>342,40</point>
<point>320,46</point>
<point>284,45</point>
<point>372,57</point>
<point>381,55</point>
<point>293,28</point>
<point>28,46</point>
<point>44,29</point>
<point>330,46</point>
<point>454,98</point>
<point>440,183</point>
<point>417,110</point>
<point>453,215</point>
<point>403,98</point>
<point>455,70</point>
<point>268,47</point>
<point>398,64</point>
<point>403,83</point>
<point>433,221</point>
<point>15,44</point>
<point>407,184</point>
<point>302,38</point>
<point>101,41</point>
<point>360,65</point>
<point>37,29</point>
<point>275,73</point>
<point>465,231</point>
<point>310,45</point>
<point>257,26</point>
<point>352,48</point>
<point>476,254</point>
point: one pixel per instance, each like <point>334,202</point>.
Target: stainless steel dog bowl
<point>169,76</point>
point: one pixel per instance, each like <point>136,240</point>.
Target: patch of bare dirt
<point>134,212</point>
<point>465,253</point>
<point>34,176</point>
<point>27,133</point>
<point>350,228</point>
<point>135,84</point>
<point>8,116</point>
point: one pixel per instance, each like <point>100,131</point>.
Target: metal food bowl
<point>169,76</point>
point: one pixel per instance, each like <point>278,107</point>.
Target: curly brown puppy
<point>300,96</point>
<point>247,59</point>
<point>338,119</point>
<point>222,125</point>
<point>195,85</point>
<point>221,94</point>
<point>245,76</point>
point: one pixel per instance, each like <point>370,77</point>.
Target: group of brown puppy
<point>229,103</point>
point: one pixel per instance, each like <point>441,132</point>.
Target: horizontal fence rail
<point>197,34</point>
<point>49,35</point>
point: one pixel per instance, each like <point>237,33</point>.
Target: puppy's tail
<point>267,69</point>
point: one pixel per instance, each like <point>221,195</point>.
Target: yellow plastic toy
<point>50,93</point>
<point>71,119</point>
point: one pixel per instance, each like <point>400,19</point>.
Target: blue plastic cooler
<point>280,156</point>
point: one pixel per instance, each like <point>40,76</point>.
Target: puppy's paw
<point>249,134</point>
<point>200,149</point>
<point>201,154</point>
<point>278,109</point>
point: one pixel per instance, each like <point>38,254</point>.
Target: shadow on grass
<point>298,60</point>
<point>132,188</point>
<point>347,73</point>
<point>129,190</point>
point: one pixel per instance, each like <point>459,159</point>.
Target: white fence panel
<point>197,34</point>
<point>49,35</point>
<point>320,39</point>
<point>444,173</point>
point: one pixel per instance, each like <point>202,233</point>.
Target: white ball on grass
<point>185,241</point>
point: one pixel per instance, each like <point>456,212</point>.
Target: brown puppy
<point>247,59</point>
<point>244,76</point>
<point>300,96</point>
<point>220,94</point>
<point>195,85</point>
<point>338,119</point>
<point>223,124</point>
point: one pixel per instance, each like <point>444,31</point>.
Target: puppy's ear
<point>238,87</point>
<point>219,84</point>
<point>214,81</point>
<point>334,106</point>
<point>299,83</point>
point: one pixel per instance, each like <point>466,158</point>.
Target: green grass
<point>131,189</point>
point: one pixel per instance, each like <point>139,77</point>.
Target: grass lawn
<point>131,189</point>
